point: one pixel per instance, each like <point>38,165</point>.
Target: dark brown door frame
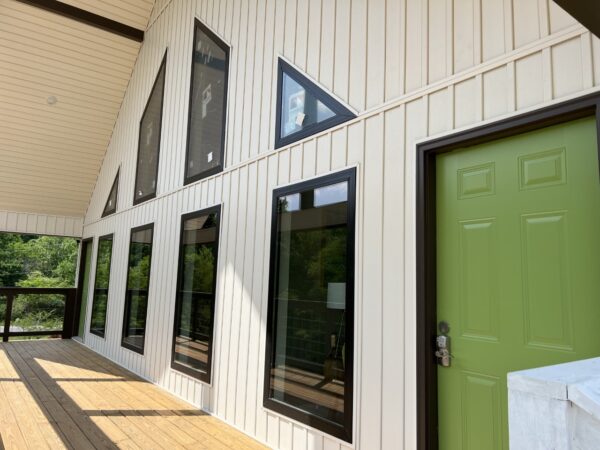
<point>81,275</point>
<point>427,413</point>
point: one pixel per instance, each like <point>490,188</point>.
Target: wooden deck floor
<point>58,394</point>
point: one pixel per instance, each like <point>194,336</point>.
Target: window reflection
<point>149,141</point>
<point>207,107</point>
<point>309,352</point>
<point>100,301</point>
<point>196,295</point>
<point>299,108</point>
<point>111,202</point>
<point>138,280</point>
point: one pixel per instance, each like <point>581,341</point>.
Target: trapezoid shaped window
<point>303,108</point>
<point>111,202</point>
<point>208,102</point>
<point>149,141</point>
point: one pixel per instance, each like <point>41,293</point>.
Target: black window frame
<point>80,282</point>
<point>137,201</point>
<point>202,376</point>
<point>133,348</point>
<point>105,237</point>
<point>198,25</point>
<point>115,186</point>
<point>342,113</point>
<point>342,432</point>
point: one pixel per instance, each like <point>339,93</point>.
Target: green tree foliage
<point>11,266</point>
<point>49,257</point>
<point>37,262</point>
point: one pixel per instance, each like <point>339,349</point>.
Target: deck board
<point>58,394</point>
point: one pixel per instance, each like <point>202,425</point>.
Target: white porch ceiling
<point>50,155</point>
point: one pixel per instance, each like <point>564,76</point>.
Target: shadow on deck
<point>58,394</point>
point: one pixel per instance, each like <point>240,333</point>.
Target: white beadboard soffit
<point>62,85</point>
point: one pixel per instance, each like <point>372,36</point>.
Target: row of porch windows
<point>308,373</point>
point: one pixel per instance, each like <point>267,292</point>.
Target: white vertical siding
<point>30,223</point>
<point>411,69</point>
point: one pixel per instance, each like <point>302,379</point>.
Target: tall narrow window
<point>208,99</point>
<point>111,202</point>
<point>100,301</point>
<point>311,302</point>
<point>303,108</point>
<point>138,281</point>
<point>195,306</point>
<point>149,140</point>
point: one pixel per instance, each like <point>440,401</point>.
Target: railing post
<point>7,316</point>
<point>69,319</point>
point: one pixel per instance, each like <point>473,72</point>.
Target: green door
<point>86,261</point>
<point>518,251</point>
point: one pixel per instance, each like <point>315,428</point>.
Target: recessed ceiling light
<point>52,100</point>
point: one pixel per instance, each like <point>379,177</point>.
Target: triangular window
<point>303,108</point>
<point>111,202</point>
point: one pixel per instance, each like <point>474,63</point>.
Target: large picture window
<point>311,304</point>
<point>146,174</point>
<point>195,305</point>
<point>100,301</point>
<point>138,282</point>
<point>208,99</point>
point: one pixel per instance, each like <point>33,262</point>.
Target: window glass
<point>111,202</point>
<point>304,108</point>
<point>300,108</point>
<point>100,301</point>
<point>149,141</point>
<point>196,295</point>
<point>207,105</point>
<point>311,352</point>
<point>136,296</point>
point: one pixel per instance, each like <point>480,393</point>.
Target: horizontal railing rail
<point>68,316</point>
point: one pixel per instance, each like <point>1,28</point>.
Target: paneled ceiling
<point>61,87</point>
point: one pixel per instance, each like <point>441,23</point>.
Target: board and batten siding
<point>411,69</point>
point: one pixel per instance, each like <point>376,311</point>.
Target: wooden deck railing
<point>10,294</point>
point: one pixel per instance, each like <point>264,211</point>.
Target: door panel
<point>518,225</point>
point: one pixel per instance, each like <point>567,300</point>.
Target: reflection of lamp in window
<point>336,296</point>
<point>336,300</point>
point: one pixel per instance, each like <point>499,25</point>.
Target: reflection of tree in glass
<point>198,270</point>
<point>139,267</point>
<point>103,264</point>
<point>317,257</point>
<point>100,302</point>
<point>137,283</point>
<point>198,278</point>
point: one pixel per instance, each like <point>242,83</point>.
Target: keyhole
<point>444,327</point>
